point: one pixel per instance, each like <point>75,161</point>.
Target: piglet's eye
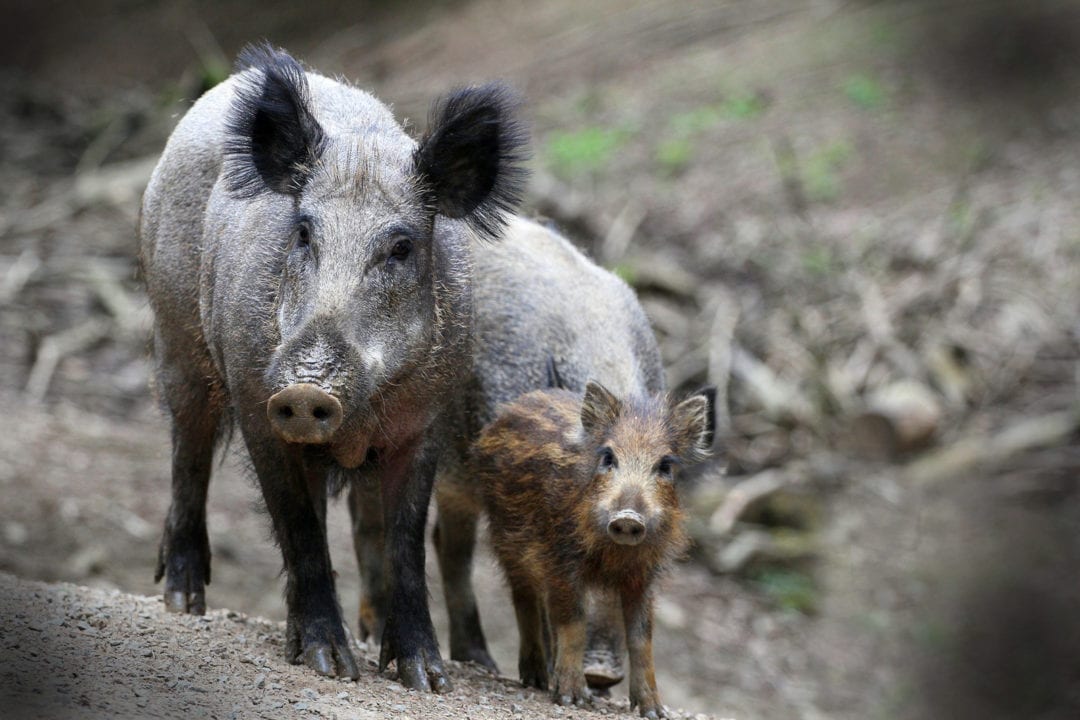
<point>607,459</point>
<point>401,250</point>
<point>666,466</point>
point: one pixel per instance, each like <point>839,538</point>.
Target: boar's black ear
<point>272,137</point>
<point>599,409</point>
<point>693,424</point>
<point>470,160</point>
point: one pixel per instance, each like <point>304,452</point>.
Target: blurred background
<point>858,219</point>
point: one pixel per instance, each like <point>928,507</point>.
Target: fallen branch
<point>57,346</point>
<point>780,400</point>
<point>18,274</point>
<point>978,451</point>
<point>722,521</point>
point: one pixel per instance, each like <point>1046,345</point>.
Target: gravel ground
<point>76,652</point>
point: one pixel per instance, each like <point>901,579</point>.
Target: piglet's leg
<point>567,613</point>
<point>638,613</point>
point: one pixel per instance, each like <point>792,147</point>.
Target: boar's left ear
<point>272,136</point>
<point>599,409</point>
<point>694,424</point>
<point>470,160</point>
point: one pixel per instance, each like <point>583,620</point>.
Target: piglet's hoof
<point>571,692</point>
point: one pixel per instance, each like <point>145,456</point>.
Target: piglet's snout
<point>304,413</point>
<point>627,527</point>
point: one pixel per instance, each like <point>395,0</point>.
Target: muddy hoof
<point>419,665</point>
<point>327,652</point>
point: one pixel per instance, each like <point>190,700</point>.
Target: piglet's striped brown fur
<point>581,493</point>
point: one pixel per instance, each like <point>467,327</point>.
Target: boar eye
<point>400,251</point>
<point>607,460</point>
<point>666,466</point>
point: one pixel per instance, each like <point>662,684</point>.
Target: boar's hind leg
<point>406,477</point>
<point>535,649</point>
<point>455,540</point>
<point>365,509</point>
<point>295,497</point>
<point>184,553</point>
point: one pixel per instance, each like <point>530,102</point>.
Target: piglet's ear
<point>272,136</point>
<point>599,409</point>
<point>470,160</point>
<point>693,423</point>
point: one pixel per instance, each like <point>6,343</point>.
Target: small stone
<point>309,693</point>
<point>300,706</point>
<point>260,680</point>
<point>515,708</point>
<point>398,708</point>
<point>342,695</point>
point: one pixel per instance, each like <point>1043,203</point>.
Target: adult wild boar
<point>308,264</point>
<point>537,299</point>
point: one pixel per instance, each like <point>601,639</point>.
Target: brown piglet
<point>581,493</point>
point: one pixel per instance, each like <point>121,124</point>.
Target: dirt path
<point>75,652</point>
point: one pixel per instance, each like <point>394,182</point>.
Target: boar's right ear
<point>693,424</point>
<point>470,160</point>
<point>272,137</point>
<point>599,409</point>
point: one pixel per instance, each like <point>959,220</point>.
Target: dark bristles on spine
<point>272,137</point>
<point>472,157</point>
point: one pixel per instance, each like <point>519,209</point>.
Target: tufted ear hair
<point>272,137</point>
<point>693,424</point>
<point>599,409</point>
<point>470,160</point>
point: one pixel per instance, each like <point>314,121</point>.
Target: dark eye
<point>666,466</point>
<point>607,460</point>
<point>400,251</point>
<point>303,236</point>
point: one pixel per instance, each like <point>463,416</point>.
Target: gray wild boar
<point>309,268</point>
<point>536,297</point>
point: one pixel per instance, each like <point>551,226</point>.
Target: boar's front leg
<point>407,474</point>
<point>638,614</point>
<point>566,610</point>
<point>295,498</point>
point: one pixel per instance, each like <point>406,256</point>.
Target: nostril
<point>285,412</point>
<point>627,528</point>
<point>320,413</point>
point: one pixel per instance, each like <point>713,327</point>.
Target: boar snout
<point>304,413</point>
<point>627,527</point>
